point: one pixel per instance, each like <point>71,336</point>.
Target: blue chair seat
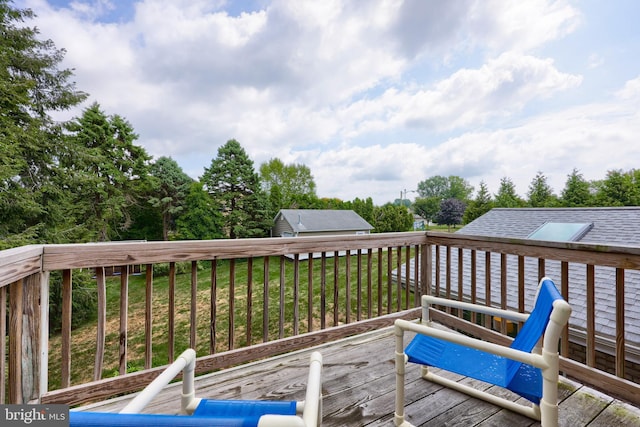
<point>474,363</point>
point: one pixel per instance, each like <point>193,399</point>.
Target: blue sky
<point>373,96</point>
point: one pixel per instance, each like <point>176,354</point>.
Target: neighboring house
<point>608,226</point>
<point>316,222</point>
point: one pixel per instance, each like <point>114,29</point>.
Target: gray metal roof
<point>613,226</point>
<point>316,220</point>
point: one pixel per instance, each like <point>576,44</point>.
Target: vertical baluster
<point>265,301</point>
<point>310,292</point>
<point>369,283</point>
<point>359,285</point>
<point>296,293</point>
<point>487,286</point>
<point>503,290</point>
<point>460,279</point>
<point>347,308</point>
<point>102,321</point>
<point>591,317</point>
<point>336,304</point>
<point>473,284</point>
<point>521,277</point>
<point>148,317</point>
<point>213,319</point>
<point>66,329</point>
<point>249,300</point>
<point>380,292</point>
<point>172,311</point>
<point>399,279</point>
<point>282,286</point>
<point>448,277</point>
<point>16,309</point>
<point>124,314</point>
<point>232,304</point>
<point>620,320</point>
<point>564,339</point>
<point>438,272</point>
<point>389,282</point>
<point>407,276</point>
<point>323,290</point>
<point>193,321</point>
<point>3,345</point>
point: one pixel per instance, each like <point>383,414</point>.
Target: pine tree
<point>577,191</point>
<point>507,196</point>
<point>478,206</point>
<point>540,193</point>
<point>235,188</point>
<point>31,87</point>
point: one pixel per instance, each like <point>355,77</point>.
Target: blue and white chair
<point>522,368</point>
<point>209,412</point>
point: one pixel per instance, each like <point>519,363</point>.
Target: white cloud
<point>373,96</point>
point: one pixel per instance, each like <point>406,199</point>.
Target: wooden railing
<point>262,297</point>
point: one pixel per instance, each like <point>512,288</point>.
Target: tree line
<point>447,200</point>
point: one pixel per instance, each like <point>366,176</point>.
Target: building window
<point>561,231</point>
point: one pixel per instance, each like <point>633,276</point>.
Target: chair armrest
<point>428,300</point>
<point>457,338</point>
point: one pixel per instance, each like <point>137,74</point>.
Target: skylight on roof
<point>561,231</point>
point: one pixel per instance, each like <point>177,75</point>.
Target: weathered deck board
<point>359,385</point>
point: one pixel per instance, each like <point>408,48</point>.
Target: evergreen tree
<point>170,188</point>
<point>106,172</point>
<point>618,189</point>
<point>364,208</point>
<point>577,191</point>
<point>235,188</point>
<point>31,87</point>
<point>540,193</point>
<point>478,206</point>
<point>201,218</point>
<point>507,196</point>
<point>389,218</point>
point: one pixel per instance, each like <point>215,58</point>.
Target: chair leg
<point>401,363</point>
<point>549,401</point>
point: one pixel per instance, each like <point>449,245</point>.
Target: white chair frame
<point>547,359</point>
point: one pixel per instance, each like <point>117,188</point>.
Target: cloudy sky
<point>372,96</point>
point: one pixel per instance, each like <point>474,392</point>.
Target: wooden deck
<point>358,390</point>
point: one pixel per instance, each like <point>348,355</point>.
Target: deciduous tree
<point>451,211</point>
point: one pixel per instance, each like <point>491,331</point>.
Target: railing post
<point>27,350</point>
<point>43,371</point>
<point>15,341</point>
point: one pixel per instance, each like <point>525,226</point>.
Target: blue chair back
<point>534,327</point>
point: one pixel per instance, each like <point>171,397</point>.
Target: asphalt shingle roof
<point>313,220</point>
<point>611,226</point>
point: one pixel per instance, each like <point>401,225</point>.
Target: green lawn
<point>84,337</point>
